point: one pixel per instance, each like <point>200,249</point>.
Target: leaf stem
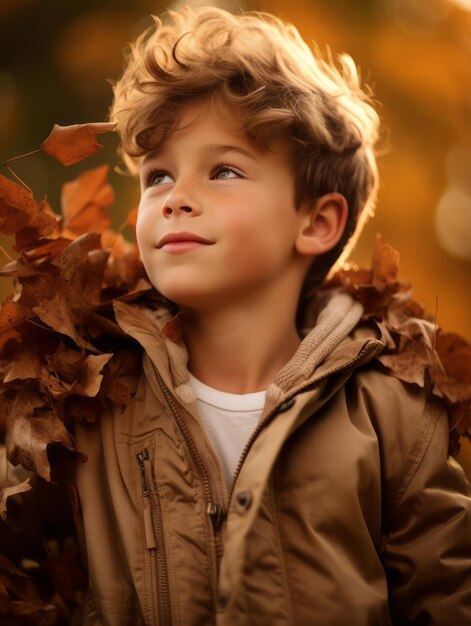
<point>20,156</point>
<point>17,177</point>
<point>2,249</point>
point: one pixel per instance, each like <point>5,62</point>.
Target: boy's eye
<point>224,171</point>
<point>157,178</point>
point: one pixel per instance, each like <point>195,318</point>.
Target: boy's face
<point>209,181</point>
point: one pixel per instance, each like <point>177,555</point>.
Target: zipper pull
<point>217,514</point>
<point>148,524</point>
<point>140,459</point>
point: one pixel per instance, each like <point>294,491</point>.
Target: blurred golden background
<point>56,57</point>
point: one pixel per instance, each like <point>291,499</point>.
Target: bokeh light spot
<point>453,222</point>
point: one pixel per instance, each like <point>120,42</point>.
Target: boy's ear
<point>323,225</point>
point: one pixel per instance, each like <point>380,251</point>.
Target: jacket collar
<point>336,340</point>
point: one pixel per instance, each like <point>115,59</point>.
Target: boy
<point>263,474</point>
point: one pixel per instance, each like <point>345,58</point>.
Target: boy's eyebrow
<point>220,148</point>
<point>214,148</point>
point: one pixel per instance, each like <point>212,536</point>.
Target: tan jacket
<point>346,509</point>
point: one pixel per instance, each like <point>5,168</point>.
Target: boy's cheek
<point>145,230</point>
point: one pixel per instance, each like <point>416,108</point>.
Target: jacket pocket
<point>154,534</point>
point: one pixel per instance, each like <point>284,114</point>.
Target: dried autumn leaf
<point>81,408</point>
<point>98,325</point>
<point>91,375</point>
<point>131,219</point>
<point>114,390</point>
<point>67,575</point>
<point>134,320</point>
<point>140,288</point>
<point>31,290</point>
<point>27,237</point>
<point>173,328</point>
<point>29,434</point>
<point>123,272</point>
<point>13,579</point>
<point>402,307</point>
<point>461,418</point>
<point>125,267</point>
<point>6,336</point>
<point>25,365</point>
<point>76,253</point>
<point>454,380</point>
<point>71,144</point>
<point>86,284</point>
<point>55,388</point>
<point>19,268</point>
<point>84,201</point>
<point>374,288</point>
<point>19,210</point>
<point>7,492</point>
<point>56,313</point>
<point>28,613</point>
<point>409,364</point>
<point>65,363</point>
<point>11,314</point>
<point>460,425</point>
<point>385,264</point>
<point>47,249</point>
<point>415,329</point>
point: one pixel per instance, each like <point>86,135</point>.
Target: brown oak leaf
<point>19,584</point>
<point>84,202</point>
<point>46,249</point>
<point>81,408</point>
<point>31,290</point>
<point>410,363</point>
<point>91,374</point>
<point>65,363</point>
<point>13,490</point>
<point>23,366</point>
<point>26,237</point>
<point>12,314</point>
<point>134,320</point>
<point>71,144</point>
<point>385,267</point>
<point>454,379</point>
<point>115,390</point>
<point>57,313</point>
<point>374,288</point>
<point>19,210</point>
<point>30,432</point>
<point>71,257</point>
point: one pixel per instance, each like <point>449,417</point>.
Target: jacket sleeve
<point>427,545</point>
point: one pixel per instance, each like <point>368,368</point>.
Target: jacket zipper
<point>216,512</point>
<point>367,349</point>
<point>155,537</point>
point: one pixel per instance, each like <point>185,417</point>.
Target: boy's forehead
<point>224,131</point>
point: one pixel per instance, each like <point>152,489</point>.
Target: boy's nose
<point>181,199</point>
<point>168,210</point>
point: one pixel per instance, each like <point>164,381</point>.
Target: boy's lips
<point>182,238</point>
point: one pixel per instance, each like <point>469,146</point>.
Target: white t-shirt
<point>228,419</point>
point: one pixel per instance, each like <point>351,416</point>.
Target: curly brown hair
<point>260,66</point>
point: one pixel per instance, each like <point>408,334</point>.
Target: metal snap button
<point>286,405</point>
<point>222,600</point>
<point>244,500</point>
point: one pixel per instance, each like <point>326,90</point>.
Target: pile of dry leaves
<point>61,348</point>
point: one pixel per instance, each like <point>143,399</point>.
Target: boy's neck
<point>240,348</point>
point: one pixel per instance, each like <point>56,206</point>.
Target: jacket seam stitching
<point>281,548</point>
<point>417,458</point>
